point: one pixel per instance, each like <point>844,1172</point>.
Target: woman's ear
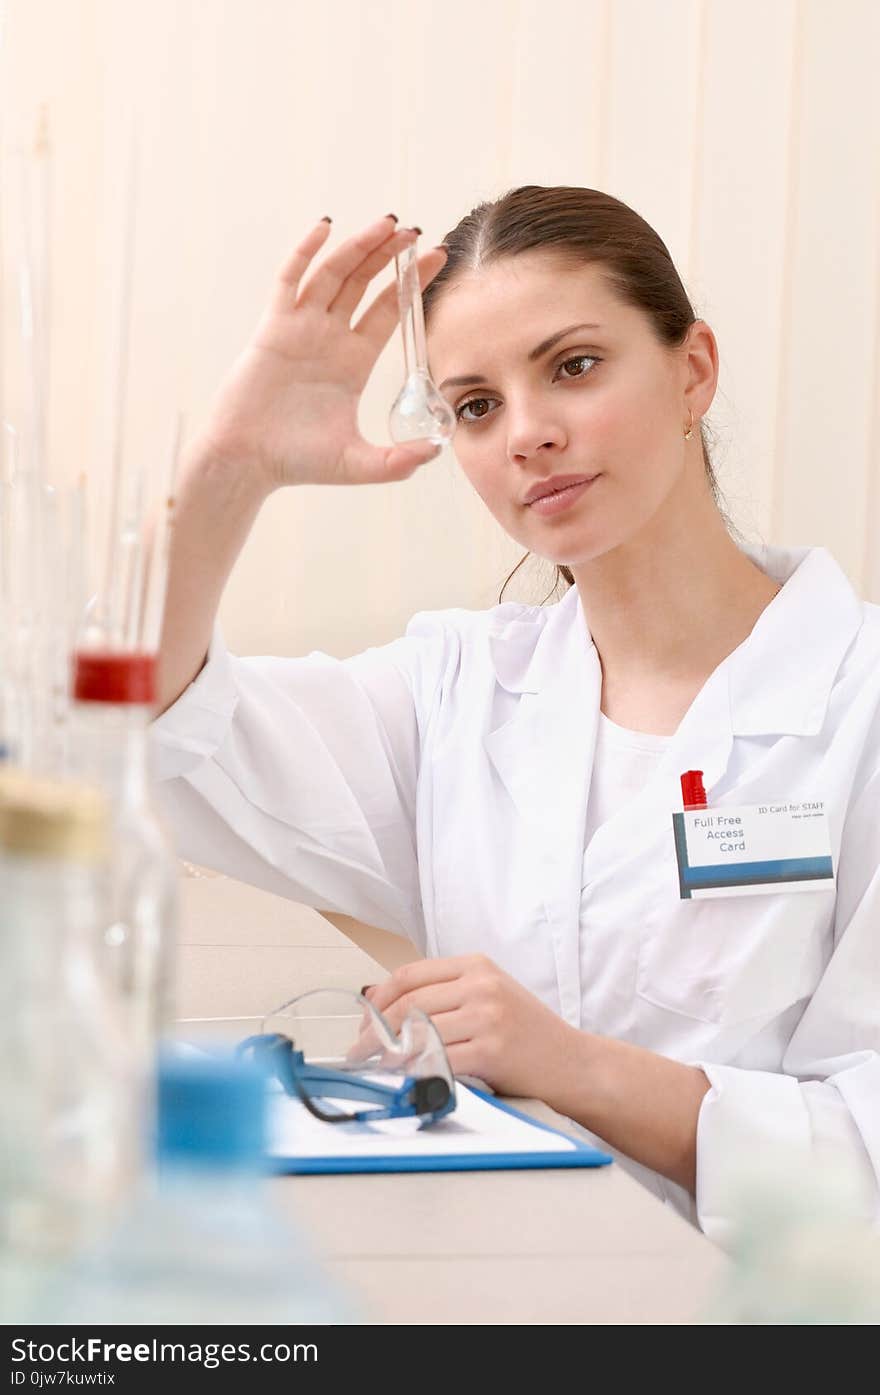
<point>702,367</point>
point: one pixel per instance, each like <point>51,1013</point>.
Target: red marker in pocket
<point>692,791</point>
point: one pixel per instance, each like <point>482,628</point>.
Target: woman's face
<point>563,379</point>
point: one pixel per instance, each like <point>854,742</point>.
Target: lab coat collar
<point>778,681</point>
<point>781,676</point>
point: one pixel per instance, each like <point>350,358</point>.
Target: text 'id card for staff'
<point>751,849</point>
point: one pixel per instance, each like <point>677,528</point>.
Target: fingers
<point>424,974</point>
<point>437,999</point>
<point>327,282</point>
<point>455,1027</point>
<point>340,282</point>
<point>352,289</point>
<point>454,1022</point>
<point>366,1045</point>
<point>421,973</point>
<point>364,463</point>
<point>379,322</point>
<point>297,263</point>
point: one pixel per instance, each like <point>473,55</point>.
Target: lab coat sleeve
<point>822,1115</point>
<point>299,775</point>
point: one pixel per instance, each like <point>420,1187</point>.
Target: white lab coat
<point>438,786</point>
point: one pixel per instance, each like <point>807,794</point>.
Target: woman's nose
<point>530,430</point>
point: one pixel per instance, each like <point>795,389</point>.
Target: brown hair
<point>583,225</point>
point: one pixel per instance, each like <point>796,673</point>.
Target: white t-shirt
<point>623,764</point>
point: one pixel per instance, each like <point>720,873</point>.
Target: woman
<point>499,786</point>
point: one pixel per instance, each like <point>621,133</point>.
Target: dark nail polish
<point>366,988</point>
<point>394,216</point>
<point>325,219</point>
<point>416,230</point>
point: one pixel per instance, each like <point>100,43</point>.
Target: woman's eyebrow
<point>470,380</point>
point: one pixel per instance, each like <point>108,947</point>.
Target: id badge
<point>751,849</point>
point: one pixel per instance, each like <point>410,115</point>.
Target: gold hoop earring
<point>690,431</point>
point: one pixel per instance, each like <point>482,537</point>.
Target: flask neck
<point>412,317</point>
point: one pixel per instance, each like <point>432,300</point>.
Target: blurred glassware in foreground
<point>70,1123</point>
<point>208,1246</point>
<point>803,1249</point>
<point>114,696</point>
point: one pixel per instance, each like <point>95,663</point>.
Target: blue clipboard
<point>580,1154</point>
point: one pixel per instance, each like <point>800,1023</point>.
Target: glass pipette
<point>420,411</point>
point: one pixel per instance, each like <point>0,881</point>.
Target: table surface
<point>552,1246</point>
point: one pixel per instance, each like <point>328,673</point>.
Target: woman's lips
<point>561,499</point>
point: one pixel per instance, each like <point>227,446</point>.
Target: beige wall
<point>746,131</point>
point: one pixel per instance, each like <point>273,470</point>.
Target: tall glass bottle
<point>114,694</point>
<point>70,1131</point>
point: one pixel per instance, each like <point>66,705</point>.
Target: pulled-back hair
<point>585,226</point>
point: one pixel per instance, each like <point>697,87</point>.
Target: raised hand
<point>288,409</point>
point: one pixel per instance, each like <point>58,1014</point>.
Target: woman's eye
<point>482,403</point>
<point>472,402</point>
<point>580,358</point>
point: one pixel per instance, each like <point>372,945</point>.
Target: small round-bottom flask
<point>420,412</point>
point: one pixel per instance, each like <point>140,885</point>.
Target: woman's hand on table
<point>639,1102</point>
<point>491,1026</point>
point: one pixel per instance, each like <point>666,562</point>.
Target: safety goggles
<point>336,1053</point>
